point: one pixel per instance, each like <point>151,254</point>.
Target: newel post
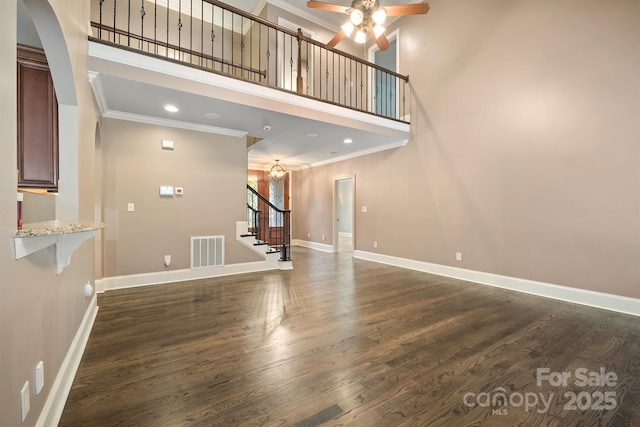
<point>299,82</point>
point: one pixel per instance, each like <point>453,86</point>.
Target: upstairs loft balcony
<point>129,39</point>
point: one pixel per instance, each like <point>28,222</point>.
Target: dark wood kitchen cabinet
<point>37,121</point>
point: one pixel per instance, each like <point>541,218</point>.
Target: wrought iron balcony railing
<point>216,37</point>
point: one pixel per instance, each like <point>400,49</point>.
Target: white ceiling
<point>296,140</point>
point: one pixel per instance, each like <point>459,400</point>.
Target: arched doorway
<point>54,44</point>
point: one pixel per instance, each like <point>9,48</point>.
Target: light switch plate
<point>166,191</point>
<point>39,376</point>
<point>25,405</point>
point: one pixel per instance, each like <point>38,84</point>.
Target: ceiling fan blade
<point>382,41</point>
<point>407,9</point>
<point>336,39</point>
<point>326,6</point>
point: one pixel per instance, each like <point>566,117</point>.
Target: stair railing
<point>217,37</point>
<point>269,224</point>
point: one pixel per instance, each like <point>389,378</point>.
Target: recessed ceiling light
<point>313,135</point>
<point>171,108</point>
<point>212,116</point>
<point>348,141</point>
<point>266,128</point>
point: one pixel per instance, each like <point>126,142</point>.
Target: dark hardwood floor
<point>338,341</point>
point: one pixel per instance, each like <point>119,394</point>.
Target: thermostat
<point>166,191</point>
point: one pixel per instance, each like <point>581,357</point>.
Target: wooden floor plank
<point>340,341</point>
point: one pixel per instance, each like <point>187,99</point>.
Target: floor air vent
<point>207,251</point>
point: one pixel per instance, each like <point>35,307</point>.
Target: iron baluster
<point>142,15</point>
<point>115,3</point>
<point>100,27</point>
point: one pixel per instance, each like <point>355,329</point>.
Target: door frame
<point>336,227</point>
<point>371,57</point>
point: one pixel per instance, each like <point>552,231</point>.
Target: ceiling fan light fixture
<point>360,37</point>
<point>378,30</point>
<point>356,17</point>
<point>348,28</point>
<point>379,16</point>
<point>368,4</point>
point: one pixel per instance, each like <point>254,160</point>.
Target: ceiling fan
<point>367,17</point>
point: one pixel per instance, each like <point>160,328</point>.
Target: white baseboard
<point>323,247</point>
<point>53,407</point>
<point>171,276</point>
<point>589,298</point>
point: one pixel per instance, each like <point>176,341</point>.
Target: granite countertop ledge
<point>53,228</point>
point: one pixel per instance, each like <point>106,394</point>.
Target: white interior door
<point>344,227</point>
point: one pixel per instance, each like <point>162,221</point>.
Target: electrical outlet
<point>131,207</point>
<point>25,405</point>
<point>458,256</point>
<point>308,235</point>
<point>323,237</point>
<point>375,244</point>
<point>167,260</point>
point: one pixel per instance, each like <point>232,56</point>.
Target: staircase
<point>268,227</point>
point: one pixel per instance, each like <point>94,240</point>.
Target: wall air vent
<point>207,251</point>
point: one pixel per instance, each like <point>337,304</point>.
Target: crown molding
<point>391,146</point>
<point>305,14</point>
<point>139,118</point>
<point>98,91</point>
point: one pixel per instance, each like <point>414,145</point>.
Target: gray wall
<point>212,169</point>
<point>524,152</point>
<point>40,311</point>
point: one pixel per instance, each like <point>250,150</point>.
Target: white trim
<point>586,297</point>
<point>292,26</point>
<point>270,262</point>
<point>323,247</point>
<point>172,276</point>
<point>57,398</point>
<point>98,91</point>
<point>305,14</point>
<point>256,10</point>
<point>156,121</point>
